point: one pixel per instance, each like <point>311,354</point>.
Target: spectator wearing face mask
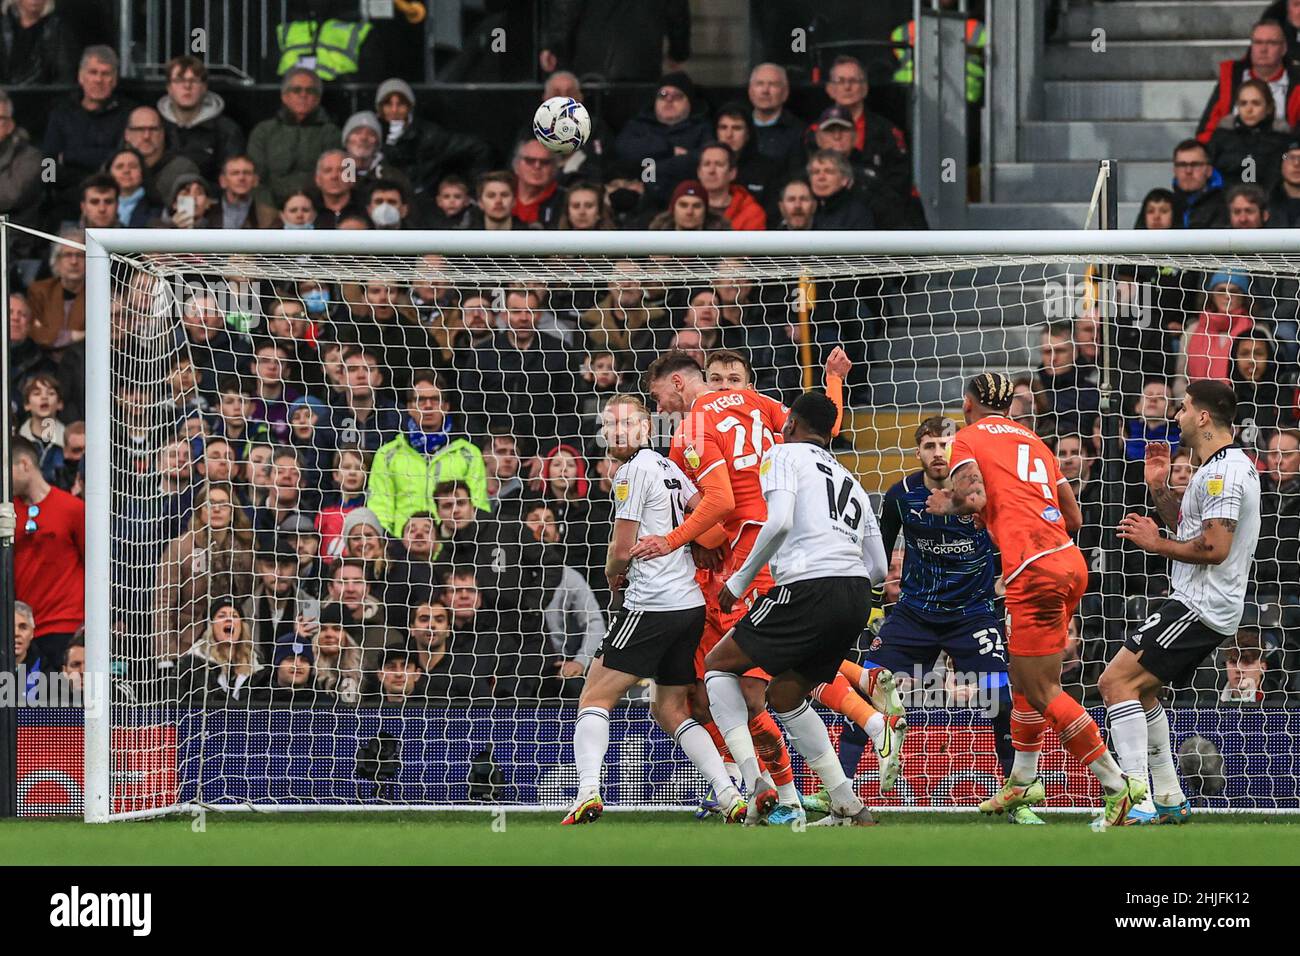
<point>363,143</point>
<point>425,151</point>
<point>626,194</point>
<point>430,450</point>
<point>298,211</point>
<point>388,206</point>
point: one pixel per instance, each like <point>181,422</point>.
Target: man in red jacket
<point>717,174</point>
<point>49,554</point>
<point>1265,61</point>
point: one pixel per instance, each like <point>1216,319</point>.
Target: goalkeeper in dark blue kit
<point>947,598</point>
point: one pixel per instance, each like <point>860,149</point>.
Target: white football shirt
<point>832,514</point>
<point>1226,486</point>
<point>650,489</point>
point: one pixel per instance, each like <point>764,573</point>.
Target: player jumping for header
<point>1004,473</point>
<point>865,696</point>
<point>823,546</point>
<point>1217,525</point>
<point>719,445</point>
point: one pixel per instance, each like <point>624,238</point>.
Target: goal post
<point>927,310</point>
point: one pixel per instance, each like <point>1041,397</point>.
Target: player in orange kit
<point>719,444</point>
<point>1003,472</point>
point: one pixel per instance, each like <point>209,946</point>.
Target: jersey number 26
<point>758,436</point>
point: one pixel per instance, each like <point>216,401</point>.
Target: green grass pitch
<point>641,838</point>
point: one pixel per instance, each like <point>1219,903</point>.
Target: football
<point>561,124</point>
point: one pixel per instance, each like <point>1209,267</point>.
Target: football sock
<point>839,695</point>
<point>856,675</point>
<point>1128,734</point>
<point>695,743</point>
<point>1027,728</point>
<point>718,741</point>
<point>809,737</point>
<point>1164,775</point>
<point>590,741</point>
<point>1080,736</point>
<point>727,701</point>
<point>1001,721</point>
<point>772,754</point>
<point>853,741</point>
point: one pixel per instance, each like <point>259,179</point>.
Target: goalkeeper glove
<point>877,617</point>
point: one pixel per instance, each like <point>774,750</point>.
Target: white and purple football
<point>562,124</point>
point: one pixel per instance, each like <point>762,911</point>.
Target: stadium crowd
<point>383,493</point>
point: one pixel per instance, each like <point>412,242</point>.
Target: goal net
<point>348,508</point>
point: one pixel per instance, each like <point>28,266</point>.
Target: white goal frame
<point>103,244</point>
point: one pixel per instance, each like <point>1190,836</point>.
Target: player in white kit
<point>824,548</point>
<point>1217,529</point>
<point>655,633</point>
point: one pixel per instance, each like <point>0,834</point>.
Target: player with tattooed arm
<point>1216,528</point>
<point>1004,473</point>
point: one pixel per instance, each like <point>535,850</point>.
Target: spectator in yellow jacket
<point>407,470</point>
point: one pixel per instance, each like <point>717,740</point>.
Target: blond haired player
<point>657,630</point>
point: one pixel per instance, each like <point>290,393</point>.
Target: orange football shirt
<point>732,429</point>
<point>1021,475</point>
